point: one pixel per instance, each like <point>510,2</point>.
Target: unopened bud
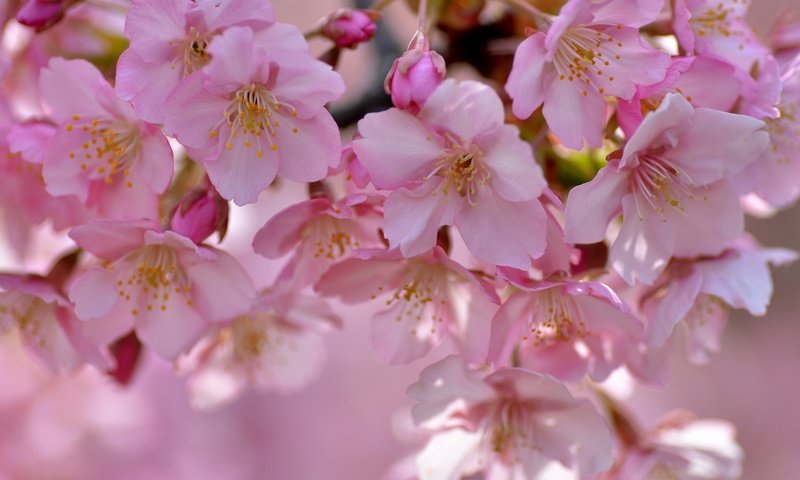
<point>348,27</point>
<point>200,213</point>
<point>42,14</point>
<point>413,77</point>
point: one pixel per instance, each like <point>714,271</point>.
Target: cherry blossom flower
<point>697,294</point>
<point>430,297</point>
<point>276,346</point>
<point>415,75</point>
<point>672,185</point>
<point>456,163</point>
<point>25,201</point>
<point>321,232</point>
<point>565,328</point>
<point>509,424</point>
<point>682,447</point>
<point>101,152</point>
<point>257,110</point>
<point>46,323</point>
<point>775,176</point>
<point>717,28</point>
<point>160,283</point>
<point>169,40</point>
<point>570,67</point>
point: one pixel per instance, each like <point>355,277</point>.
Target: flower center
<point>258,341</point>
<point>784,132</point>
<point>254,118</point>
<point>26,312</point>
<point>330,237</point>
<point>152,276</point>
<point>661,185</point>
<point>510,427</point>
<point>110,147</point>
<point>195,55</point>
<point>555,317</point>
<point>581,56</point>
<point>462,167</point>
<point>719,20</point>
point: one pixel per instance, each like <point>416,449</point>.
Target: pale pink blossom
<point>347,27</point>
<point>101,152</point>
<point>427,298</point>
<point>456,163</point>
<point>698,294</point>
<point>46,323</point>
<point>681,447</point>
<point>565,328</point>
<point>169,41</point>
<point>775,176</point>
<point>276,346</point>
<point>672,186</point>
<point>25,201</point>
<point>509,424</point>
<point>160,283</point>
<point>257,110</point>
<point>320,232</point>
<point>581,57</point>
<point>718,29</point>
<point>705,82</point>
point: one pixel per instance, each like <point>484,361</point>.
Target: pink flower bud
<point>200,213</point>
<point>349,27</point>
<point>413,77</point>
<point>41,14</point>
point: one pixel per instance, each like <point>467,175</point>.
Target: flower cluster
<point>543,224</point>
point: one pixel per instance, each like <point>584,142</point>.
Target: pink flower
<point>169,40</point>
<point>321,232</point>
<point>25,202</point>
<point>775,176</point>
<point>684,448</point>
<point>257,110</point>
<point>456,163</point>
<point>414,76</point>
<point>101,152</point>
<point>347,27</point>
<point>717,28</point>
<point>582,57</point>
<point>509,424</point>
<point>199,214</point>
<point>46,323</point>
<point>430,297</point>
<point>697,295</point>
<point>160,283</point>
<point>276,346</point>
<point>565,328</point>
<point>703,81</point>
<point>672,185</point>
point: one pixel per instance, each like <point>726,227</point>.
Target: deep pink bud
<point>413,77</point>
<point>348,27</point>
<point>200,213</point>
<point>41,14</point>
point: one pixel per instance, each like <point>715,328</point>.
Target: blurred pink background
<point>352,423</point>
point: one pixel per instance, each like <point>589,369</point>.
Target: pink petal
<point>153,26</point>
<point>306,84</point>
<point>524,227</point>
<point>68,87</point>
<point>234,59</point>
<point>515,174</point>
<point>172,330</point>
<point>281,232</point>
<point>644,244</point>
<point>239,174</point>
<point>659,129</point>
<point>395,148</point>
<point>146,85</point>
<point>307,154</point>
<point>710,83</point>
<point>399,339</point>
<point>592,205</point>
<point>111,239</point>
<point>560,361</point>
<point>663,313</point>
<point>451,454</point>
<point>192,113</point>
<point>94,293</point>
<point>465,108</point>
<point>525,83</point>
<point>713,220</point>
<point>356,280</point>
<point>413,217</point>
<point>507,327</point>
<point>155,164</point>
<point>250,13</point>
<point>573,116</point>
<point>221,289</point>
<point>631,13</point>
